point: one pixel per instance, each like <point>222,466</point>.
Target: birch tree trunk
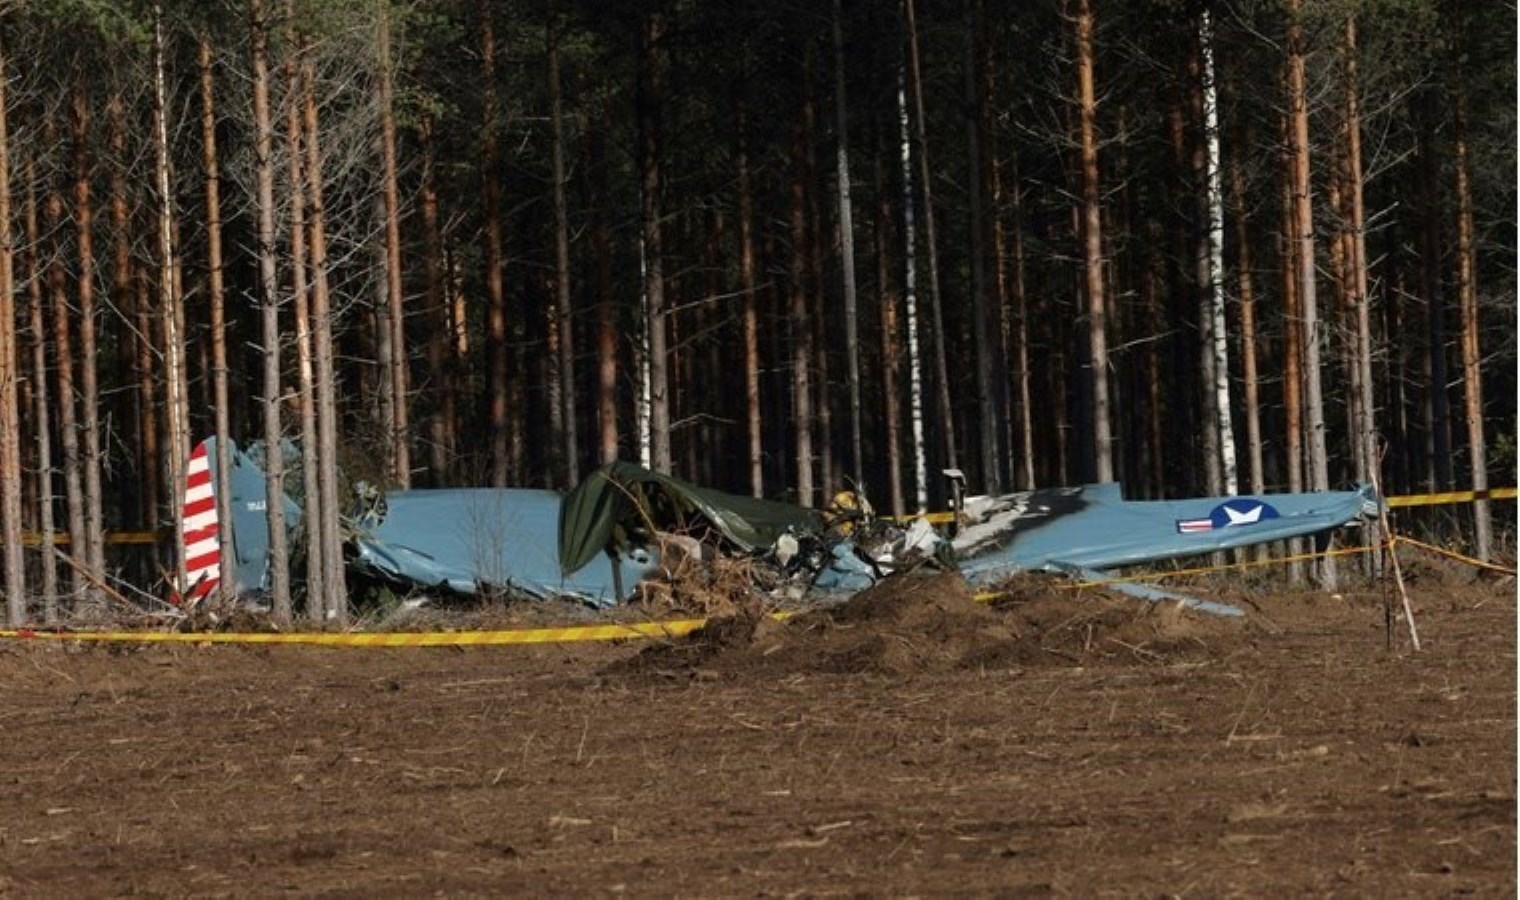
<point>1092,231</point>
<point>274,461</point>
<point>891,352</point>
<point>931,246</point>
<point>440,379</point>
<point>651,84</point>
<point>910,303</point>
<point>1223,424</point>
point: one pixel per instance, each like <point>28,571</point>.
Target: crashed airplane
<point>598,542</point>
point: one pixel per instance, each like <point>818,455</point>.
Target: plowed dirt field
<point>911,742</point>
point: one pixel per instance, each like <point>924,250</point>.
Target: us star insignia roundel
<point>1229,514</point>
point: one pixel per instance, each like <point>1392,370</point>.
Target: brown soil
<point>911,741</point>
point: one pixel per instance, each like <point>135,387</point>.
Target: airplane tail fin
<point>201,530</point>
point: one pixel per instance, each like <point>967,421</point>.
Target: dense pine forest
<point>778,248</point>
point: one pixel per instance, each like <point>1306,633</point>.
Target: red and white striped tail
<point>203,554</point>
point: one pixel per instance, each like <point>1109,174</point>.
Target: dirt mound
<point>919,624</point>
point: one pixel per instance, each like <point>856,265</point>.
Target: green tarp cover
<point>630,496</point>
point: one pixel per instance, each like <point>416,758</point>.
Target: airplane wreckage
<point>597,543</point>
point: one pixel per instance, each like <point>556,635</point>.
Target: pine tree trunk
<point>563,320</point>
<point>1092,233</point>
<point>440,380</point>
<point>496,297</point>
<point>10,409</point>
<point>1467,294</point>
<point>1248,367</point>
<point>1021,369</point>
<point>41,395</point>
<point>273,462</point>
<point>606,304</point>
<point>1365,437</point>
<point>847,252</point>
<point>92,554</point>
<point>322,313</point>
<point>1314,407</point>
<point>801,332</point>
<point>64,353</point>
<point>220,392</point>
<point>399,429</point>
<point>985,332</point>
<point>311,493</point>
<point>1437,404</point>
<point>748,287</point>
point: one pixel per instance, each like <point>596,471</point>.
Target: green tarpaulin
<point>631,498</point>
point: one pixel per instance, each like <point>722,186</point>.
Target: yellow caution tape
<point>671,629</point>
<point>1451,497</point>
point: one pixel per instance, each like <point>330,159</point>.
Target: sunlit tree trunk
<point>1467,294</point>
<point>1217,350</point>
<point>322,313</point>
<point>1092,243</point>
<point>10,407</point>
<point>41,393</point>
<point>220,393</point>
<point>67,403</point>
<point>1314,407</point>
<point>269,308</point>
<point>92,554</point>
<point>305,369</point>
<point>1364,432</point>
<point>931,245</point>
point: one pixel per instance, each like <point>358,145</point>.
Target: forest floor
<point>913,741</point>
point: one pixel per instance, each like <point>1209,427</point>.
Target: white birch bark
<point>910,300</point>
<point>1220,347</point>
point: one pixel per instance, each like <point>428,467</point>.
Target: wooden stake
<point>1392,545</point>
